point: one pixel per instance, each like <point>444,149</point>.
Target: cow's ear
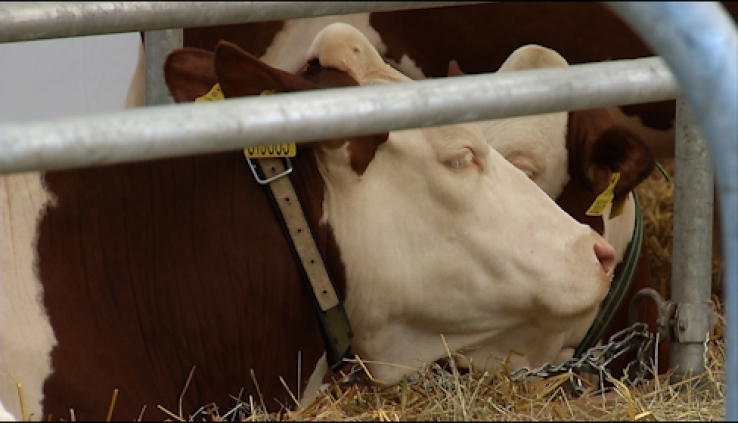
<point>241,74</point>
<point>189,73</point>
<point>618,149</point>
<point>454,69</point>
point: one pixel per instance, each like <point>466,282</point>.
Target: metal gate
<point>698,42</point>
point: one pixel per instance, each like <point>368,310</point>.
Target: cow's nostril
<point>606,255</point>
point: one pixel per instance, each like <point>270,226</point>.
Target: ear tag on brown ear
<point>600,203</point>
<point>283,149</point>
<point>214,94</point>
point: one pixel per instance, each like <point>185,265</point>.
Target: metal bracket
<point>693,320</point>
<point>666,309</point>
<point>262,181</point>
<point>685,322</point>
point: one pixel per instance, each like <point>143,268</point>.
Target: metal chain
<point>596,359</point>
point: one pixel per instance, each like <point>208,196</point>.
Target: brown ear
<point>454,69</point>
<point>189,73</point>
<point>618,149</point>
<point>241,74</point>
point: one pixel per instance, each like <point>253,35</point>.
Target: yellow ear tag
<point>214,94</point>
<point>283,149</point>
<point>600,203</point>
<point>618,206</point>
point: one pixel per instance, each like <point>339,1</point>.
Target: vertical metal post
<point>692,250</point>
<point>157,44</point>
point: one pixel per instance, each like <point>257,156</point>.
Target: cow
<point>572,156</point>
<point>421,43</point>
<point>171,282</point>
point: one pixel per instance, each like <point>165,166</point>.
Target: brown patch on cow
<point>241,74</point>
<point>163,265</point>
<point>189,73</point>
<point>618,149</point>
<point>576,201</point>
<point>596,148</point>
<point>363,149</point>
<point>657,115</point>
<point>433,37</point>
<point>326,77</point>
<point>151,268</point>
<point>253,37</point>
<point>454,69</point>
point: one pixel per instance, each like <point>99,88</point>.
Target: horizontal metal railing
<point>173,130</point>
<point>44,20</point>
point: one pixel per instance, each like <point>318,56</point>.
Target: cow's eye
<point>528,172</point>
<point>462,161</point>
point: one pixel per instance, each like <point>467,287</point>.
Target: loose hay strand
<point>289,391</point>
<point>184,390</point>
<point>169,413</point>
<point>21,398</point>
<point>109,417</point>
<point>141,414</point>
<point>258,390</point>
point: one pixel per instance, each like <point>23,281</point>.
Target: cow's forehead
<point>536,142</point>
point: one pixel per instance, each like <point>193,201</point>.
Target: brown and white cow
<point>421,43</point>
<point>128,276</point>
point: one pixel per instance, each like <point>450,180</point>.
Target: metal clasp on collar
<point>262,181</point>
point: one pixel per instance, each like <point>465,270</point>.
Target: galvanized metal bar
<point>157,45</point>
<point>175,130</point>
<point>44,20</point>
<point>699,41</point>
<point>692,249</point>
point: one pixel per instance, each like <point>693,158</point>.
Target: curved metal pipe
<point>699,42</point>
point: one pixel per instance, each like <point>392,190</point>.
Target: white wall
<point>65,77</point>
